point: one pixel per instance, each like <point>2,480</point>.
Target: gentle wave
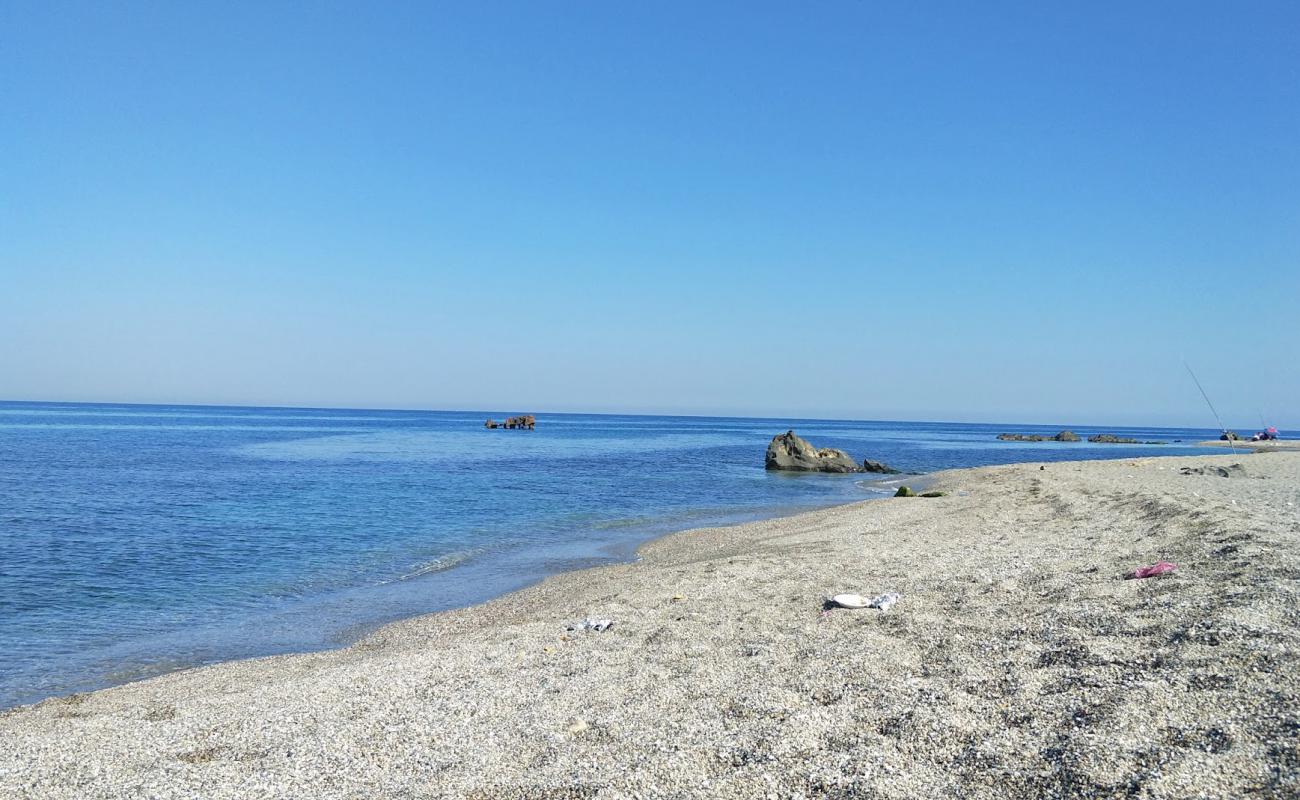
<point>441,564</point>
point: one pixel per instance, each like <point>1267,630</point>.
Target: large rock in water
<point>790,452</point>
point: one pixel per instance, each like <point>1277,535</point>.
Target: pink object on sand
<point>1158,568</point>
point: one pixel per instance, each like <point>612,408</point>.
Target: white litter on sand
<point>592,624</point>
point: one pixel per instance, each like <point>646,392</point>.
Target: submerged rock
<point>787,451</point>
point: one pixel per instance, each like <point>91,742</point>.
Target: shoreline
<point>619,551</point>
<point>720,657</point>
<point>1259,447</point>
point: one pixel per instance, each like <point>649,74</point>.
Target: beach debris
<point>592,624</point>
<point>904,491</point>
<point>849,601</point>
<point>1156,569</point>
<point>934,494</point>
<point>884,602</point>
<point>577,725</point>
<point>678,597</point>
<point>1233,471</point>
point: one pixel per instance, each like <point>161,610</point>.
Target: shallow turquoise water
<point>138,539</point>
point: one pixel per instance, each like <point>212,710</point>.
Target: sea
<point>137,540</point>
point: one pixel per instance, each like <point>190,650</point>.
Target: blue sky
<point>1001,212</point>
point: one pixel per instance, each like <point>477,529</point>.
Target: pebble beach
<point>1018,662</point>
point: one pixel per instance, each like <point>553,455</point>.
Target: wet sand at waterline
<point>1019,663</point>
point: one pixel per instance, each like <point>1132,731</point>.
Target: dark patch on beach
<point>508,792</point>
<point>1072,654</point>
<point>1209,740</point>
<point>160,713</point>
<point>1196,634</point>
<point>897,725</point>
<point>1210,681</point>
<point>202,755</point>
<point>855,789</point>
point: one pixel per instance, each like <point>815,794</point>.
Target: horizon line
<point>393,409</point>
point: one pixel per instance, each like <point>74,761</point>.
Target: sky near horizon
<point>868,210</point>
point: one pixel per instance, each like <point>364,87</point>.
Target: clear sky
<point>963,211</point>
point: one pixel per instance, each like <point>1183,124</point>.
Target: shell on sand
<point>850,601</point>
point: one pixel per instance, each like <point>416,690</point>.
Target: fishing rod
<point>1217,418</point>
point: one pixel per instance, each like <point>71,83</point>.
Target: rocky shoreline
<point>1017,661</point>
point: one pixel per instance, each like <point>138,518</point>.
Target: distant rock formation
<point>1110,438</point>
<point>787,451</point>
<point>1063,436</point>
<point>876,466</point>
<point>525,422</point>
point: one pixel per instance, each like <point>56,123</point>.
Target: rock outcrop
<point>525,422</point>
<point>880,467</point>
<point>1110,438</point>
<point>787,451</point>
<point>1063,436</point>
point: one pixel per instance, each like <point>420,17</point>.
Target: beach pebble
<point>578,725</point>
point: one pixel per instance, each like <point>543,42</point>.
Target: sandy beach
<point>1018,664</point>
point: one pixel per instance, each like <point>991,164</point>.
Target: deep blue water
<point>138,539</point>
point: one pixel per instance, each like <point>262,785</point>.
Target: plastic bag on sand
<point>592,624</point>
<point>885,601</point>
<point>1158,568</point>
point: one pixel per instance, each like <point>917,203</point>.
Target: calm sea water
<point>139,539</point>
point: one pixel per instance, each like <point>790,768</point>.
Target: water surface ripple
<point>139,539</point>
